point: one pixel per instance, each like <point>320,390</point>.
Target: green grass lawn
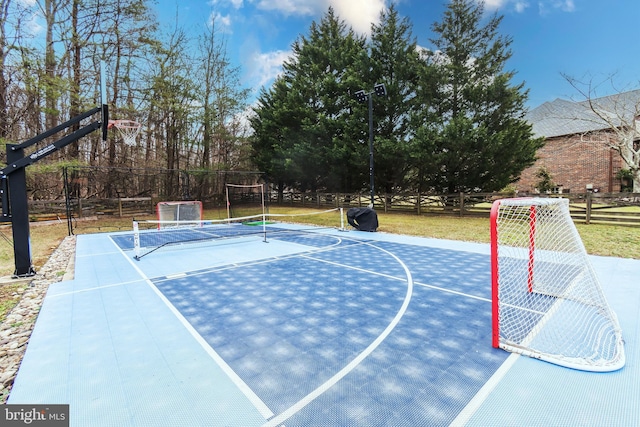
<point>605,240</point>
<point>598,239</point>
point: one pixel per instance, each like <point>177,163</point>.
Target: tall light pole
<point>362,96</point>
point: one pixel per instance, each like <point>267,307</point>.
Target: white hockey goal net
<point>177,213</point>
<point>547,300</point>
<point>246,201</point>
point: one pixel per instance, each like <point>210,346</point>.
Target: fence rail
<point>588,208</point>
<point>43,210</point>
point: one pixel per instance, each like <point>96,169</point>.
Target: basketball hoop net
<point>128,129</point>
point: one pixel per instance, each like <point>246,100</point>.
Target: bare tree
<point>4,11</point>
<point>12,14</point>
<point>53,86</point>
<point>47,77</point>
<point>223,99</point>
<point>619,116</point>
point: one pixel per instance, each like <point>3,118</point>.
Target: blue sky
<point>593,41</point>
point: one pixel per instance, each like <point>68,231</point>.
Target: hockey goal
<point>547,302</point>
<point>178,213</point>
<point>246,201</point>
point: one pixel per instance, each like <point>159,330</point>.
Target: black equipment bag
<point>363,219</point>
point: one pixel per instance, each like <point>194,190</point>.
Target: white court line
<point>231,266</point>
<point>99,253</point>
<point>474,404</point>
<point>96,288</point>
<point>450,291</point>
<point>424,285</point>
<point>283,416</point>
<point>260,406</point>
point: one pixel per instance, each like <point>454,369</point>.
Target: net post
<point>226,190</point>
<point>264,215</point>
<point>341,219</point>
<point>103,101</point>
<point>158,215</point>
<point>532,246</point>
<point>136,241</point>
<point>495,321</point>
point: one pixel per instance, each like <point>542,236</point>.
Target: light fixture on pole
<point>361,96</point>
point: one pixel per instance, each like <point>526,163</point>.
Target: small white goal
<point>174,213</point>
<point>547,300</point>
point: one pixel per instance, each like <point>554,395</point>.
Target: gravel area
<point>16,329</point>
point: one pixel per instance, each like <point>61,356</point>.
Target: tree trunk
<point>50,65</point>
<point>4,125</point>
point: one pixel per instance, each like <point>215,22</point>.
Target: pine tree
<point>275,124</point>
<point>395,63</point>
<point>322,149</point>
<point>476,136</point>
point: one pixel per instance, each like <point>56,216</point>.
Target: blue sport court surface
<point>310,328</point>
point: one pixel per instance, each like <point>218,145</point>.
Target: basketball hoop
<point>128,129</point>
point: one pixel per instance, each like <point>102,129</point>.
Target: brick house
<point>577,152</point>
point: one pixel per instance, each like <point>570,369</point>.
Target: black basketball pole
<point>362,96</point>
<point>371,183</point>
<point>14,175</point>
<point>17,185</point>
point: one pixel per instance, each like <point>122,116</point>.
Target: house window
<point>559,190</point>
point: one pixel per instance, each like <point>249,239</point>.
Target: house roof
<point>562,117</point>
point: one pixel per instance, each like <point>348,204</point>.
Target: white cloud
<point>291,7</point>
<point>494,4</point>
<point>265,67</point>
<point>221,22</point>
<point>544,6</point>
<point>260,68</point>
<point>31,19</point>
<point>520,6</point>
<point>359,13</point>
<point>565,5</point>
<point>242,119</point>
<point>237,4</point>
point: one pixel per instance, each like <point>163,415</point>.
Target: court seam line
<point>258,404</point>
<point>204,271</point>
<point>424,285</point>
<point>97,288</point>
<point>485,391</point>
<point>231,266</point>
<point>96,254</point>
<point>333,246</point>
<point>295,408</point>
<point>301,254</point>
